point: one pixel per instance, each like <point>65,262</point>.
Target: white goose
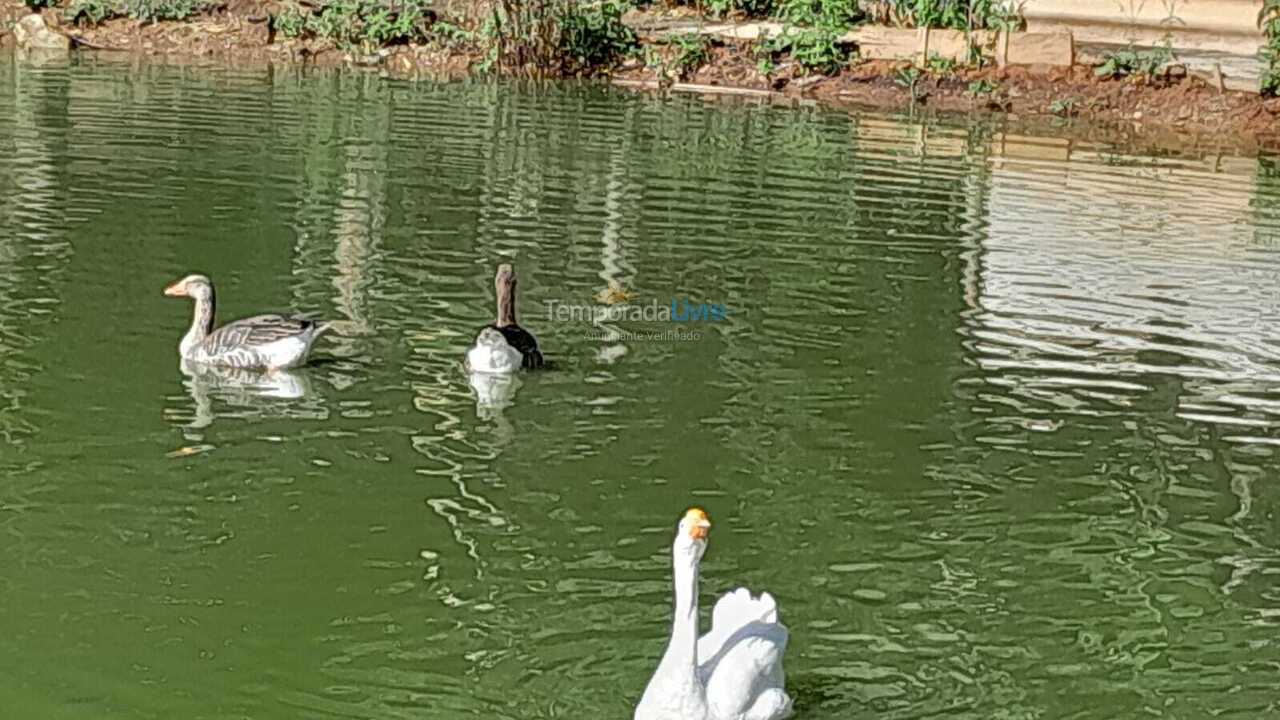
<point>267,342</point>
<point>734,672</point>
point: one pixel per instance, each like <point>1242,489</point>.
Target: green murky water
<point>995,417</point>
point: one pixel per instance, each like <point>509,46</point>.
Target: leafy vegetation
<point>351,24</point>
<point>815,49</point>
<point>1064,107</point>
<point>530,37</point>
<point>953,14</point>
<point>939,65</point>
<point>692,52</point>
<point>592,35</point>
<point>909,78</point>
<point>978,88</point>
<point>1269,21</point>
<point>811,34</point>
<point>751,8</point>
<point>831,13</point>
<point>684,54</point>
<point>812,28</point>
<point>547,37</point>
<point>1131,61</point>
<point>96,11</point>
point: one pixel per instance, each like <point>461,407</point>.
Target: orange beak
<point>699,523</point>
<point>177,289</point>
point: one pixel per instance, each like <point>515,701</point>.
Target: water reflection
<point>34,249</point>
<point>1099,293</point>
<point>494,392</point>
<point>242,393</point>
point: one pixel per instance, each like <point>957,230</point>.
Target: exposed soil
<point>1174,113</point>
<point>1170,113</point>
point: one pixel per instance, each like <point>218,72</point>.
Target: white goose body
<point>267,342</point>
<point>492,354</point>
<point>734,672</point>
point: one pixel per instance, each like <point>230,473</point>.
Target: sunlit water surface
<point>993,416</point>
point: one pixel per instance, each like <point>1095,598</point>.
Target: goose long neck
<point>201,320</point>
<point>684,626</point>
<point>506,301</point>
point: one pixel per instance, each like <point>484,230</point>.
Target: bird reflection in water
<point>254,393</point>
<point>494,392</point>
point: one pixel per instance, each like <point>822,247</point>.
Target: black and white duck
<point>266,342</point>
<point>504,346</point>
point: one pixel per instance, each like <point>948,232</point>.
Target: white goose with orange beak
<point>263,342</point>
<point>734,672</point>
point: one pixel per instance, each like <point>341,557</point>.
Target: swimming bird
<point>734,672</point>
<point>264,341</point>
<point>504,346</point>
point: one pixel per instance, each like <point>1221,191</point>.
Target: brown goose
<point>263,341</point>
<point>504,346</point>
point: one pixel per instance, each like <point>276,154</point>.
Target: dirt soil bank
<point>1169,113</point>
<point>1175,113</point>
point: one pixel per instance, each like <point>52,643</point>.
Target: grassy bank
<point>1135,91</point>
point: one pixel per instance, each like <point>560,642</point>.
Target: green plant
<point>357,24</point>
<point>1131,61</point>
<point>90,12</point>
<point>982,87</point>
<point>830,13</point>
<point>450,34</point>
<point>953,14</point>
<point>815,49</point>
<point>593,35</point>
<point>939,65</point>
<point>811,34</point>
<point>751,8</point>
<point>38,4</point>
<point>96,11</point>
<point>157,10</point>
<point>763,53</point>
<point>367,24</point>
<point>1269,21</point>
<point>1064,107</point>
<point>546,37</point>
<point>909,78</point>
<point>290,22</point>
<point>692,52</point>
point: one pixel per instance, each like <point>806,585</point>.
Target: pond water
<point>993,416</point>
